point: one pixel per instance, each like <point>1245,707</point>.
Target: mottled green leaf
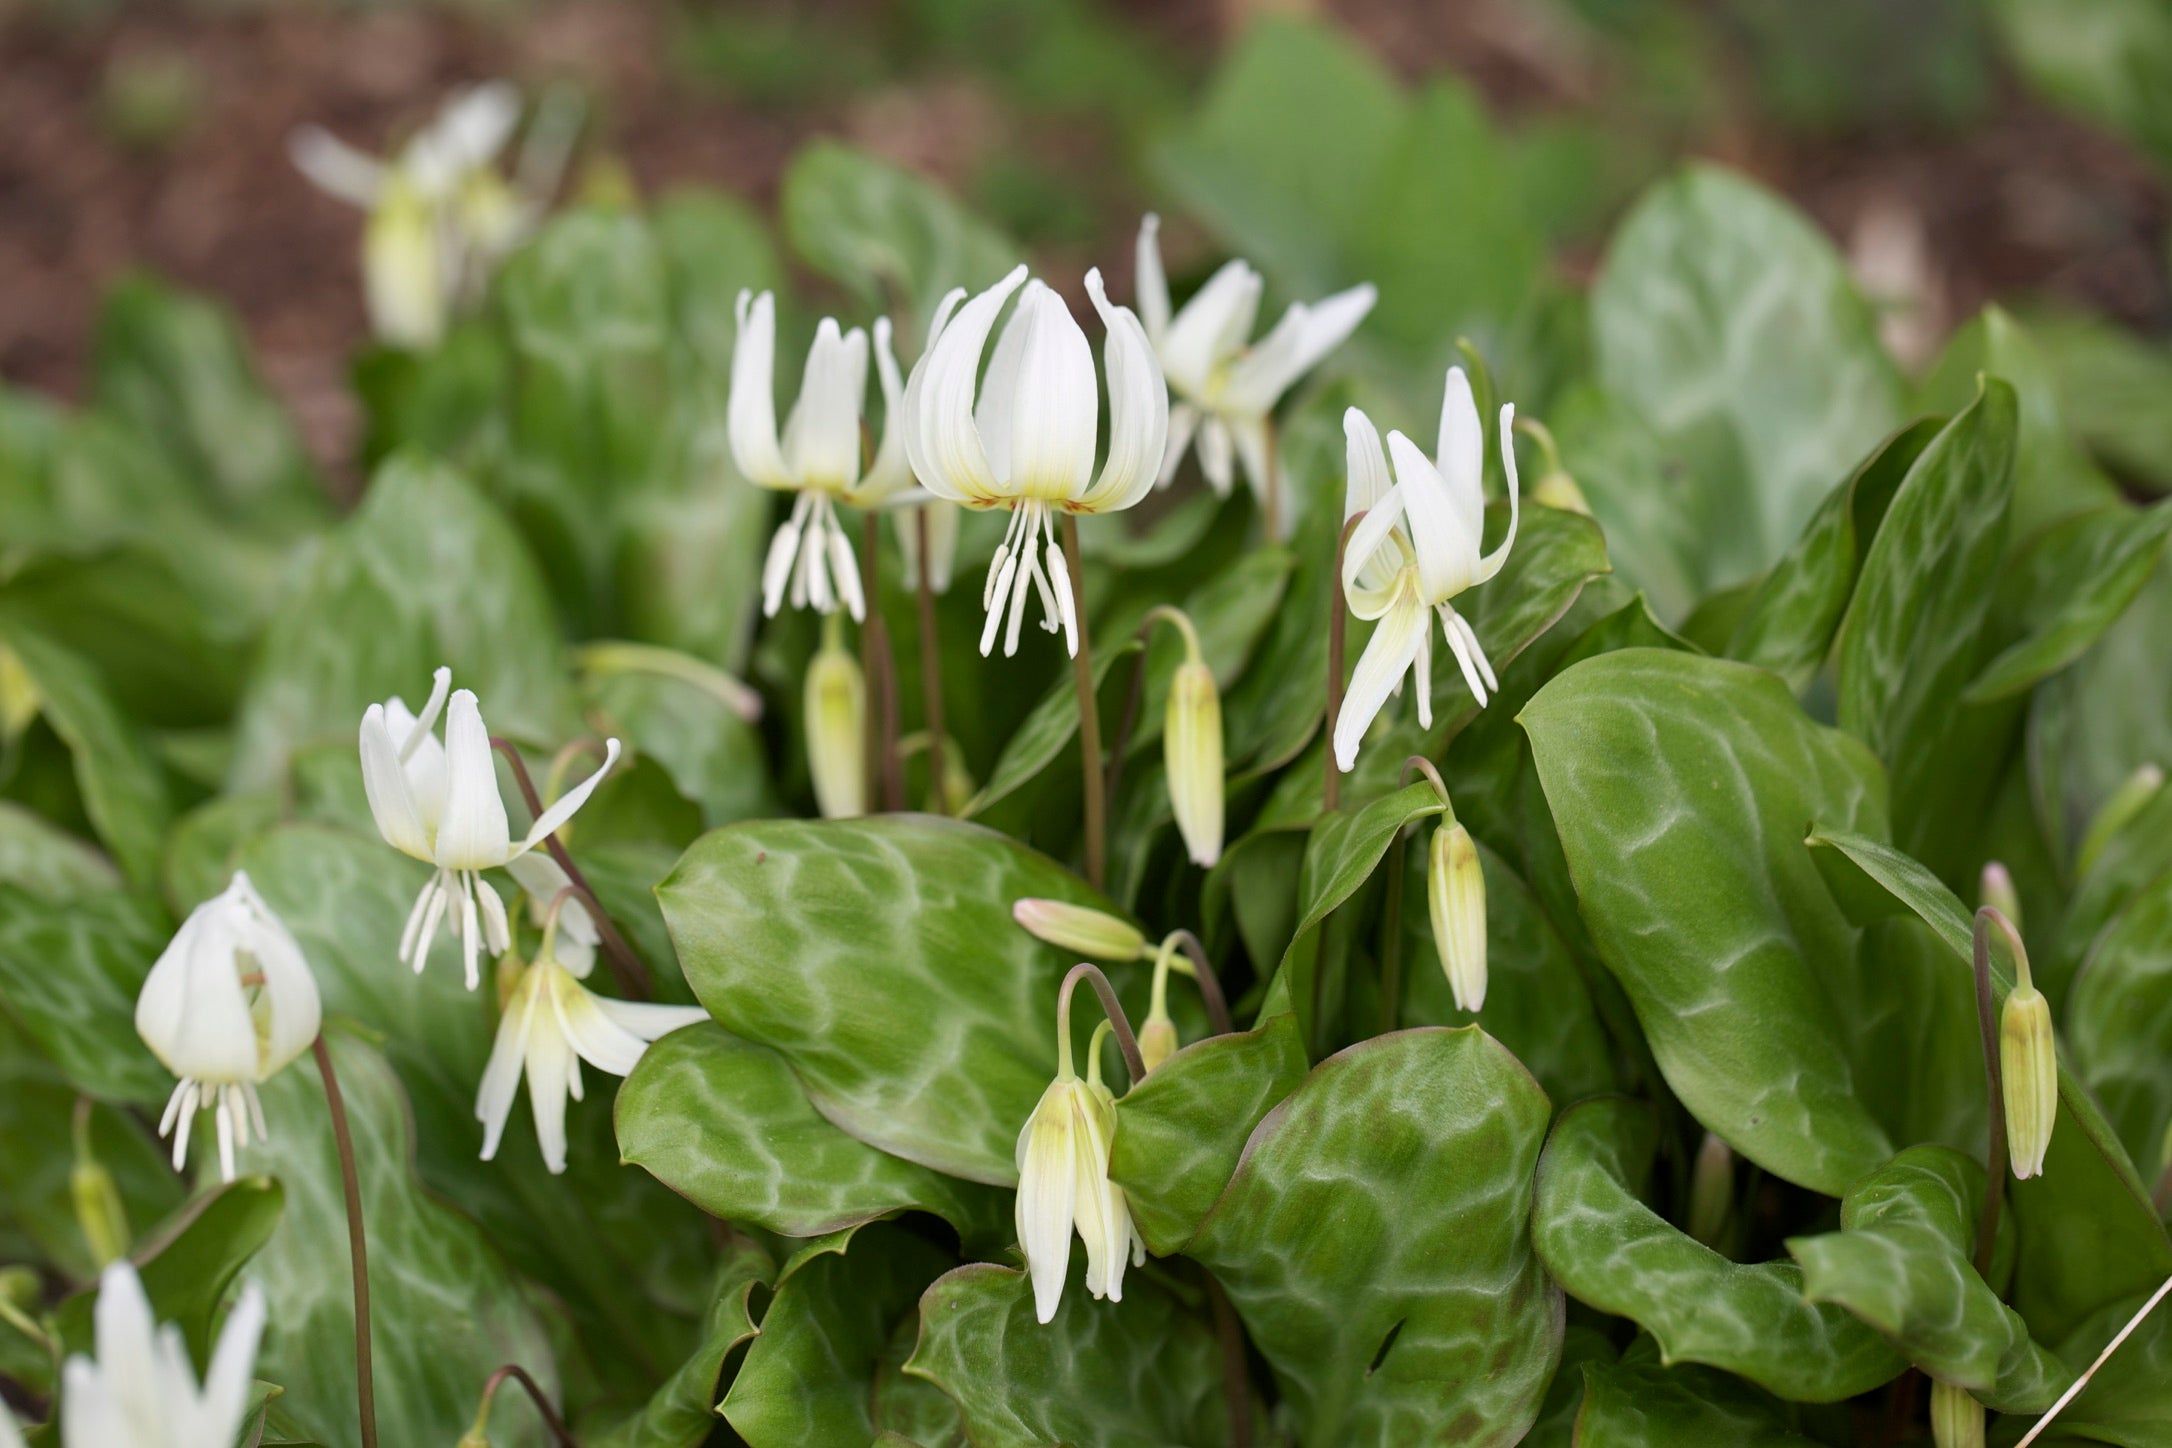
<point>2129,1401</point>
<point>714,757</point>
<point>2119,1024</point>
<point>1647,1404</point>
<point>1141,1373</point>
<point>2114,386</point>
<point>2077,580</point>
<point>683,1410</point>
<point>1611,1251</point>
<point>47,861</point>
<point>69,974</point>
<point>1375,1241</point>
<point>1051,726</point>
<point>726,1124</point>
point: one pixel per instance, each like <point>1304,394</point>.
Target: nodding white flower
<point>819,454</point>
<point>1228,385</point>
<point>141,1390</point>
<point>1025,437</point>
<point>541,879</point>
<point>1416,550</point>
<point>551,1024</point>
<point>440,803</point>
<point>1063,1182</point>
<point>229,1002</point>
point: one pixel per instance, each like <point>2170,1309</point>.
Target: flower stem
<point>1236,1375</point>
<point>1272,482</point>
<point>358,1253</point>
<point>1391,939</point>
<point>519,1374</point>
<point>1089,722</point>
<point>1120,747</point>
<point>1111,1007</point>
<point>1338,625</point>
<point>1210,985</point>
<point>931,671</point>
<point>1987,1226</point>
<point>879,668</point>
<point>625,966</point>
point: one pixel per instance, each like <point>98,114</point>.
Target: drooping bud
<point>1559,490</point>
<point>1998,892</point>
<point>1956,1417</point>
<point>403,269</point>
<point>1455,889</point>
<point>2127,801</point>
<point>1158,1039</point>
<point>1192,751</point>
<point>99,1211</point>
<point>836,709</point>
<point>1711,1190</point>
<point>2029,1067</point>
<point>1079,929</point>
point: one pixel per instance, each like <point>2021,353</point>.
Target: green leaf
<point>681,1413</point>
<point>1647,1404</point>
<point>70,971</point>
<point>426,572</point>
<point>2113,387</point>
<point>2078,579</point>
<point>123,791</point>
<point>2088,1227</point>
<point>422,1256</point>
<point>714,246</point>
<point>1902,1263</point>
<point>1181,1131</point>
<point>727,1125</point>
<point>714,757</point>
<point>808,1376</point>
<point>1680,786</point>
<point>893,240</point>
<point>934,1048</point>
<point>2129,1401</point>
<point>47,861</point>
<point>1612,1252</point>
<point>2119,1023</point>
<point>1052,725</point>
<point>1796,611</point>
<point>1375,1240</point>
<point>1913,637</point>
<point>1556,1425</point>
<point>1729,323</point>
<point>2107,60</point>
<point>2090,728</point>
<point>1142,1373</point>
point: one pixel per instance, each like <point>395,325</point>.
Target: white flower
<point>229,1002</point>
<point>1029,441</point>
<point>819,454</point>
<point>1063,1182</point>
<point>141,1391</point>
<point>541,879</point>
<point>1416,550</point>
<point>1229,387</point>
<point>942,518</point>
<point>440,803</point>
<point>551,1024</point>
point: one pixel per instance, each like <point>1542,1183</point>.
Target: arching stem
<point>1210,985</point>
<point>557,1425</point>
<point>1111,1007</point>
<point>358,1252</point>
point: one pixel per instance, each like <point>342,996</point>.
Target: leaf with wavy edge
<point>1375,1241</point>
<point>682,1411</point>
<point>1901,1262</point>
<point>1611,1251</point>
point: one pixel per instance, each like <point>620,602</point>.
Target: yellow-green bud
<point>1956,1417</point>
<point>836,708</point>
<point>1079,929</point>
<point>18,696</point>
<point>1711,1190</point>
<point>402,268</point>
<point>20,1289</point>
<point>2029,1066</point>
<point>1455,890</point>
<point>1191,744</point>
<point>99,1211</point>
<point>2127,801</point>
<point>1998,892</point>
<point>1157,1041</point>
<point>476,1437</point>
<point>1559,490</point>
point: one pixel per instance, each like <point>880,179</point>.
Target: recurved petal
<point>822,435</point>
<point>474,834</point>
<point>1138,408</point>
<point>1211,326</point>
<point>1183,421</point>
<point>563,809</point>
<point>751,413</point>
<point>501,1076</point>
<point>551,1073</point>
<point>1054,403</point>
<point>1447,549</point>
<point>1461,455</point>
<point>941,441</point>
<point>1375,554</point>
<point>1150,281</point>
<point>1388,656</point>
<point>889,473</point>
<point>290,990</point>
<point>390,793</point>
<point>1305,334</point>
<point>1491,563</point>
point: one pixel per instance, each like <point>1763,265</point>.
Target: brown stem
<point>1210,984</point>
<point>1119,1023</point>
<point>1425,767</point>
<point>931,672</point>
<point>358,1252</point>
<point>1236,1374</point>
<point>519,1374</point>
<point>625,967</point>
<point>1391,944</point>
<point>1273,482</point>
<point>1987,1228</point>
<point>1089,717</point>
<point>2163,1195</point>
<point>1338,625</point>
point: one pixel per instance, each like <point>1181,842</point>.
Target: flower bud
<point>2029,1064</point>
<point>1956,1417</point>
<point>20,1290</point>
<point>1558,490</point>
<point>1079,929</point>
<point>18,696</point>
<point>2127,801</point>
<point>1711,1190</point>
<point>1157,1041</point>
<point>99,1211</point>
<point>1191,744</point>
<point>402,266</point>
<point>1998,892</point>
<point>836,707</point>
<point>1455,889</point>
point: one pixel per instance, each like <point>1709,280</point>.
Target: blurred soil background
<point>154,135</point>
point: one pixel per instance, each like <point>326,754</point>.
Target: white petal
<point>1464,647</point>
<point>501,1077</point>
<point>1047,1188</point>
<point>1054,403</point>
<point>889,474</point>
<point>941,441</point>
<point>1447,549</point>
<point>612,1035</point>
<point>1491,563</point>
<point>1250,436</point>
<point>1375,556</point>
<point>563,808</point>
<point>473,834</point>
<point>336,168</point>
<point>385,783</point>
<point>845,570</point>
<point>474,124</point>
<point>193,1012</point>
<point>1183,420</point>
<point>1066,600</point>
<point>1388,656</point>
<point>751,414</point>
<point>1214,455</point>
<point>550,1078</point>
<point>1461,454</point>
<point>126,1337</point>
<point>232,1368</point>
<point>297,1011</point>
<point>822,435</point>
<point>1211,327</point>
<point>1149,281</point>
<point>649,1020</point>
<point>1138,408</point>
<point>1303,336</point>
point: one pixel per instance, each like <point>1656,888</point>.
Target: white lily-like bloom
<point>440,804</point>
<point>1416,550</point>
<point>819,455</point>
<point>1229,385</point>
<point>141,1390</point>
<point>1025,437</point>
<point>1063,1182</point>
<point>229,1002</point>
<point>551,1024</point>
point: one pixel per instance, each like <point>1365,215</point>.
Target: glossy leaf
<point>1046,732</point>
<point>1612,1252</point>
<point>2079,578</point>
<point>2118,1023</point>
<point>47,861</point>
<point>69,974</point>
<point>1375,1241</point>
<point>1648,1404</point>
<point>681,1413</point>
